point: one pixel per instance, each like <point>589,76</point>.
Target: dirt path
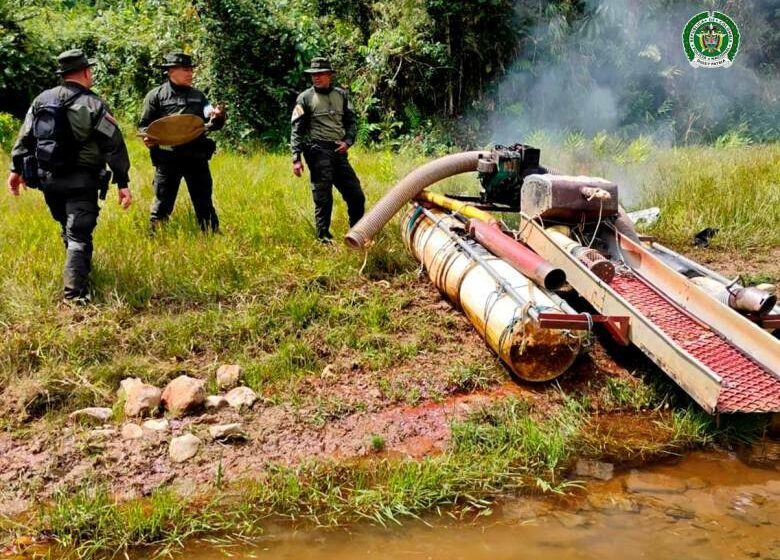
<point>757,266</point>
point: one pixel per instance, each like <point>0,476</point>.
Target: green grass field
<point>265,290</point>
<point>266,295</point>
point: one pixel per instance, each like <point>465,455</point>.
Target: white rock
<point>183,394</point>
<point>241,397</point>
<point>141,399</point>
<point>132,431</point>
<point>183,448</point>
<point>228,432</point>
<point>92,415</point>
<point>160,425</point>
<point>215,402</point>
<point>100,436</point>
<point>13,508</point>
<point>228,376</point>
<point>328,372</point>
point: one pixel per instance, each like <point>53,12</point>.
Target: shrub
<point>9,126</point>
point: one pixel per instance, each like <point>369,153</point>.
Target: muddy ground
<point>754,266</point>
<point>342,413</point>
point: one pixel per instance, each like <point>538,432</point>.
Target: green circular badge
<point>711,40</point>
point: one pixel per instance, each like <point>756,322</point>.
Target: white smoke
<point>592,88</point>
<point>627,58</point>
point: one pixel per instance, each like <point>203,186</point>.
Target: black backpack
<point>55,147</point>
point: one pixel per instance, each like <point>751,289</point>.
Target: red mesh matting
<point>747,386</point>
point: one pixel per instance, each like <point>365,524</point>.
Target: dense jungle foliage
<point>420,71</point>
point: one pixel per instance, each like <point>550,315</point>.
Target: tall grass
<point>264,294</point>
<point>734,189</point>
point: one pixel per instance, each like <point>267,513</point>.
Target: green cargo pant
<point>197,175</point>
<point>73,202</point>
<point>329,169</point>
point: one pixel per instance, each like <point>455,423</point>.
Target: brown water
<point>707,506</point>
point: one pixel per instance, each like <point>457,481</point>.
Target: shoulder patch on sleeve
<point>106,125</point>
<point>298,112</point>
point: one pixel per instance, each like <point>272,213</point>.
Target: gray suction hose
<point>405,190</point>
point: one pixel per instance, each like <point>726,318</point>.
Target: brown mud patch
<point>334,416</point>
<point>763,264</point>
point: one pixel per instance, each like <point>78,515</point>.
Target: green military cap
<point>72,60</point>
<point>319,64</point>
<point>177,58</point>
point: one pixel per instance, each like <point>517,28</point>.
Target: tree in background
<point>421,72</point>
<point>26,65</point>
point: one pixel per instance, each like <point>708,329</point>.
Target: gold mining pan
<point>175,130</point>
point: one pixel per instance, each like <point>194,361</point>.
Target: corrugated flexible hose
<point>405,190</point>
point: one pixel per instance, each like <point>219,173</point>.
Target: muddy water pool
<point>707,506</point>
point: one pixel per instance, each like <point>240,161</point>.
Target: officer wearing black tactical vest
<point>67,138</point>
<point>189,161</point>
<point>323,130</point>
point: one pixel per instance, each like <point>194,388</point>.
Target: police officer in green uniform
<point>189,161</point>
<point>323,130</point>
<point>67,138</point>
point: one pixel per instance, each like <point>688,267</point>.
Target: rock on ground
<point>13,508</point>
<point>595,469</point>
<point>102,434</point>
<point>696,483</point>
<point>97,439</point>
<point>92,415</point>
<point>613,503</point>
<point>183,448</point>
<point>570,520</point>
<point>652,483</point>
<point>183,394</point>
<point>132,431</point>
<point>141,399</point>
<point>160,425</point>
<point>677,512</point>
<point>241,397</point>
<point>228,432</point>
<point>228,376</point>
<point>215,402</point>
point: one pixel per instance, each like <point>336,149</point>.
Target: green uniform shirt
<point>169,99</point>
<point>100,140</point>
<point>322,115</point>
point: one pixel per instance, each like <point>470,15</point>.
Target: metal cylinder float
<point>468,279</point>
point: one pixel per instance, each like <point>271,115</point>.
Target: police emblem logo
<point>711,40</point>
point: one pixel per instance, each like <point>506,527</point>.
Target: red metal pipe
<point>518,255</point>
